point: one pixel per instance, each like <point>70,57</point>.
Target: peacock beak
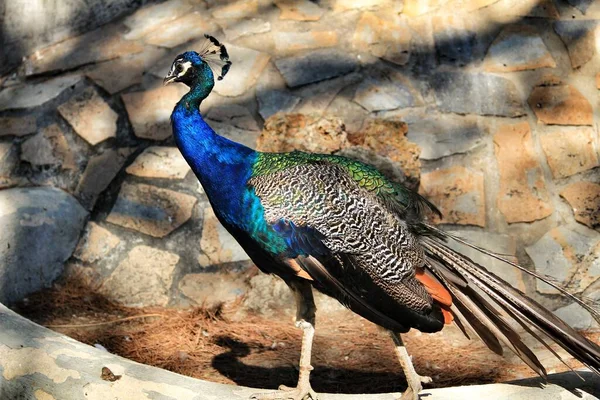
<point>168,79</point>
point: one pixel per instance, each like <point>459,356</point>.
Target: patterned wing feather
<point>361,252</point>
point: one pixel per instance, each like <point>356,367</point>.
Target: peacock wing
<point>345,237</point>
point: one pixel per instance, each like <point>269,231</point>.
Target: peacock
<point>339,226</point>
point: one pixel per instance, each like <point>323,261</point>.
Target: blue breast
<point>223,168</point>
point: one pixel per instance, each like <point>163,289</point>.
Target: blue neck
<point>222,166</point>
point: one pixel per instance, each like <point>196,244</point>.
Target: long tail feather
<point>445,262</point>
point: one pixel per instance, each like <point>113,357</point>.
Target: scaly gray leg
<point>413,379</point>
<point>305,320</point>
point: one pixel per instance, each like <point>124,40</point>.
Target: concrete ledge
<point>38,363</point>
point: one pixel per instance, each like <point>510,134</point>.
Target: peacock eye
<point>179,68</point>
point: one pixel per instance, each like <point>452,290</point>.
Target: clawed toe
<point>287,393</point>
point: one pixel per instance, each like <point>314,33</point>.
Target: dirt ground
<point>350,355</point>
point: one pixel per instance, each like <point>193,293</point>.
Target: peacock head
<point>193,68</point>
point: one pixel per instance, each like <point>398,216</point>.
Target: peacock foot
<point>415,385</point>
<point>302,392</point>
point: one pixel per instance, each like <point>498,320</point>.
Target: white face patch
<point>184,68</point>
<point>179,69</point>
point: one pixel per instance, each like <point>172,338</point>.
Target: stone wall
<point>492,105</point>
<point>28,25</point>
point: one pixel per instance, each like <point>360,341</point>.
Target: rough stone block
<point>299,10</point>
<point>218,246</point>
<point>48,147</point>
<point>102,44</point>
<point>522,195</point>
<point>316,66</point>
<point>518,48</point>
<point>150,111</point>
<point>90,116</point>
<point>570,152</point>
<point>143,279</point>
<point>383,36</point>
<point>97,242</point>
<point>580,39</point>
<point>479,94</point>
<point>99,172</point>
<point>40,228</point>
<point>246,67</point>
<point>17,126</point>
<point>584,199</point>
<point>33,95</point>
<point>292,42</point>
<point>458,193</point>
<point>159,162</point>
<point>560,105</point>
<point>151,210</point>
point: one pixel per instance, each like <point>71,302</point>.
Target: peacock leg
<point>305,320</point>
<point>413,379</point>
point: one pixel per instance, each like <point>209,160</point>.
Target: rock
<point>584,198</point>
<point>581,5</point>
<point>96,243</point>
<point>346,5</point>
<point>288,132</point>
<point>474,93</point>
<point>497,243</point>
<point>570,152</point>
<point>271,93</point>
<point>237,29</point>
<point>247,65</point>
<point>388,139</point>
<point>387,91</point>
<point>154,17</point>
<point>347,110</point>
<point>268,295</point>
<point>40,228</point>
<point>456,45</point>
<point>217,245</point>
<point>580,39</point>
<point>560,105</point>
<point>518,48</point>
<point>121,73</point>
<point>150,111</point>
<point>316,97</point>
<point>292,42</point>
<point>90,116</point>
<point>48,147</point>
<point>522,196</point>
<point>8,158</point>
<point>315,66</point>
<point>559,253</point>
<point>458,193</point>
<point>576,316</point>
<point>33,95</point>
<point>383,36</point>
<point>191,26</point>
<point>445,135</point>
<point>212,289</point>
<point>235,115</point>
<point>102,44</point>
<point>159,162</point>
<point>273,101</point>
<point>236,10</point>
<point>99,172</point>
<point>142,279</point>
<point>414,8</point>
<point>17,126</point>
<point>300,10</point>
<point>598,80</point>
<point>151,210</point>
